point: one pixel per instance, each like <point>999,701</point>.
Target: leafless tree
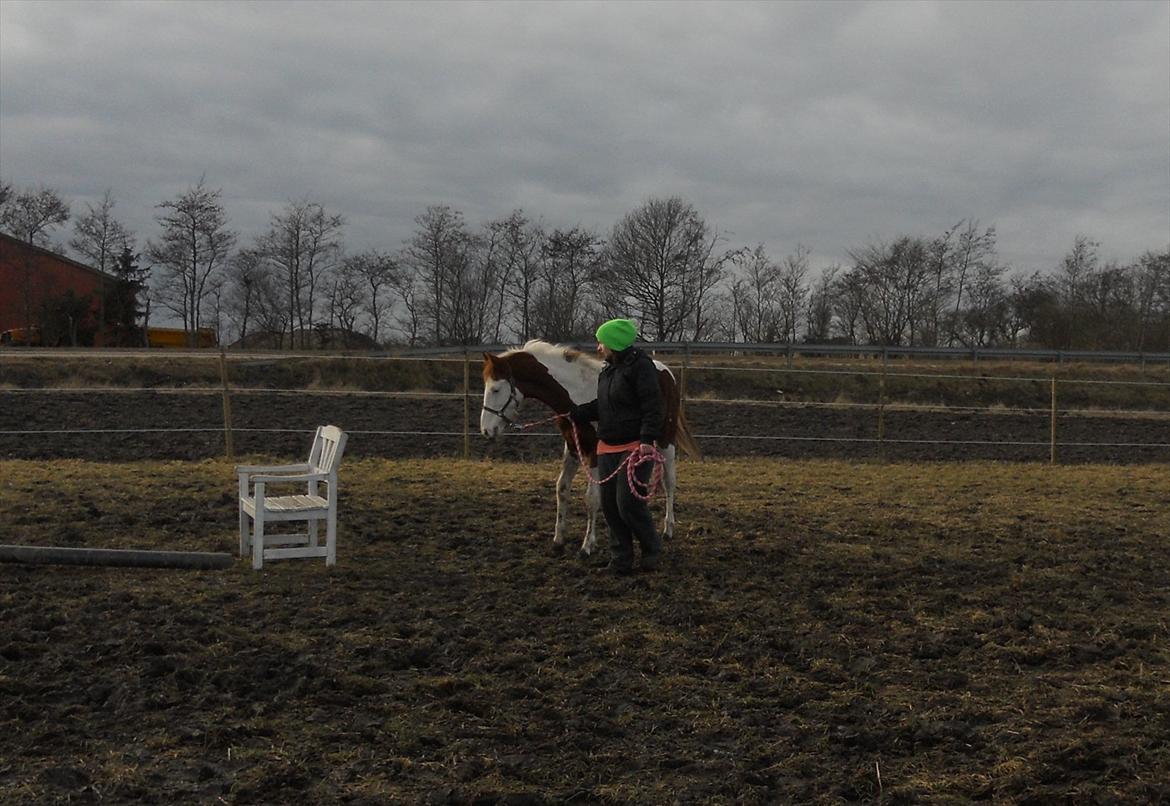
<point>192,250</point>
<point>1152,276</point>
<point>378,273</point>
<point>819,322</point>
<point>895,280</point>
<point>31,215</point>
<point>661,267</point>
<point>347,298</point>
<point>521,245</point>
<point>793,290</point>
<point>411,320</point>
<point>302,245</point>
<point>754,295</point>
<point>561,308</point>
<point>246,275</point>
<point>438,255</point>
<point>101,239</point>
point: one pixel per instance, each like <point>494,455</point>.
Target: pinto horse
<point>561,377</point>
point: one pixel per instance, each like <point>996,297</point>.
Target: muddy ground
<point>432,427</point>
<point>822,632</point>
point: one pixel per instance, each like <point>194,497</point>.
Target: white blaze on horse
<point>561,377</point>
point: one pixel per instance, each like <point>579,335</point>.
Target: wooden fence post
<point>466,405</point>
<point>227,406</point>
<point>682,385</point>
<point>1052,426</point>
<point>882,411</point>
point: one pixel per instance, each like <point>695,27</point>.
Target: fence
<point>876,438</point>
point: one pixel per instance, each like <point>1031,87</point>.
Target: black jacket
<point>629,401</point>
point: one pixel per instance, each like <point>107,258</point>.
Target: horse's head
<point>501,397</point>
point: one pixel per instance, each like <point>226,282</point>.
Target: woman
<point>628,412</point>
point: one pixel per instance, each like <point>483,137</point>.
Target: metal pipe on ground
<point>123,558</point>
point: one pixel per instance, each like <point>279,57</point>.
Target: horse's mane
<point>558,352</point>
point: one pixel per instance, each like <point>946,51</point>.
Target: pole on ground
<point>127,558</point>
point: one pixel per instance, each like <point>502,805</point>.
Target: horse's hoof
<point>583,555</point>
<point>558,549</point>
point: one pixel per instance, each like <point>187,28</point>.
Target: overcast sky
<point>830,124</point>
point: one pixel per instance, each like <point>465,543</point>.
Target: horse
<point>561,377</point>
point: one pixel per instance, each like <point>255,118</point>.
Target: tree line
<point>515,278</point>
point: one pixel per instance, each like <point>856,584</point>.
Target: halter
<point>512,398</point>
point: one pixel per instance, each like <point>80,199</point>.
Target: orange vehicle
<point>176,337</point>
<point>24,337</point>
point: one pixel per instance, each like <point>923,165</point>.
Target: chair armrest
<point>250,469</point>
<point>298,477</point>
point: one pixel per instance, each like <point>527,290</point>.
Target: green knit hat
<point>617,334</point>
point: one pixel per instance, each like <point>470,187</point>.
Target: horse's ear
<point>492,364</point>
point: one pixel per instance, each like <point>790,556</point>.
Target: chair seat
<point>287,505</point>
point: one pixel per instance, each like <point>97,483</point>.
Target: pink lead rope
<point>633,460</point>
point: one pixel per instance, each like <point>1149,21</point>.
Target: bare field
<point>822,632</point>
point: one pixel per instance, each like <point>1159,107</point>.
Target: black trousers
<point>627,517</point>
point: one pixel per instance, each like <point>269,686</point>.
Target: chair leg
<point>258,541</point>
<point>244,543</point>
<point>331,539</point>
<point>313,541</point>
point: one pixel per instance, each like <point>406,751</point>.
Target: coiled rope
<point>633,460</point>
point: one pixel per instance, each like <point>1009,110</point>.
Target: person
<point>629,416</point>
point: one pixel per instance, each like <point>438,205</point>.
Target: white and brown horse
<point>561,377</point>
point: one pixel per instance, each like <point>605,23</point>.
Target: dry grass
<point>975,631</point>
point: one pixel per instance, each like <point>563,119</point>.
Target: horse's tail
<point>683,437</point>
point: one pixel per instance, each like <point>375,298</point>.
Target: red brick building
<point>34,282</point>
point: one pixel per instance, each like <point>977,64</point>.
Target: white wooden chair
<point>257,504</point>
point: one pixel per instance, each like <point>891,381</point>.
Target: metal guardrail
<point>852,350</point>
<point>668,347</point>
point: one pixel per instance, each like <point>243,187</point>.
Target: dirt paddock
<point>822,632</point>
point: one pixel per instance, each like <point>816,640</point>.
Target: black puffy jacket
<point>629,401</point>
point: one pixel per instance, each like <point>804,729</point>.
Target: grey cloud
<point>824,123</point>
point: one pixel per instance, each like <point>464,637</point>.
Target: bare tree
<point>561,310</point>
<point>895,280</point>
<point>819,323</point>
<point>1152,277</point>
<point>31,215</point>
<point>411,320</point>
<point>346,300</point>
<point>377,273</point>
<point>303,243</point>
<point>438,254</point>
<point>793,292</point>
<point>246,273</point>
<point>190,253</point>
<point>660,265</point>
<point>754,295</point>
<point>522,245</point>
<point>101,239</point>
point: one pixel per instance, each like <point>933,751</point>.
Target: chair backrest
<point>328,446</point>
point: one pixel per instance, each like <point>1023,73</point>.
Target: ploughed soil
<point>820,632</point>
<point>124,425</point>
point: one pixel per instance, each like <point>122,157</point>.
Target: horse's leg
<point>669,479</point>
<point>592,507</point>
<point>564,485</point>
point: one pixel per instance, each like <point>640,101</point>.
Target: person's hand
<point>647,449</point>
